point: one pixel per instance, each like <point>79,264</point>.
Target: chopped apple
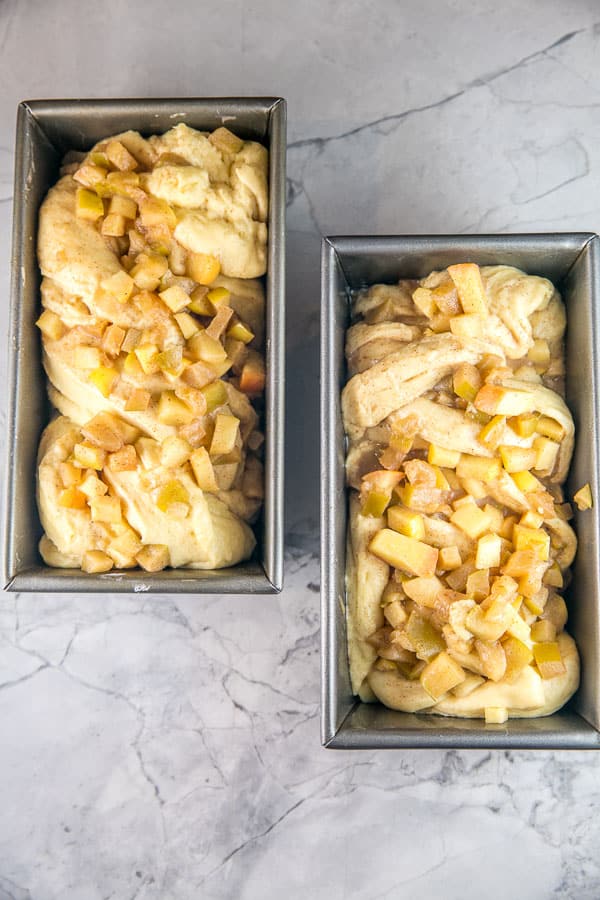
<point>138,400</point>
<point>203,470</point>
<point>153,557</point>
<point>205,348</point>
<point>375,504</point>
<point>480,467</point>
<point>122,206</point>
<point>469,285</point>
<point>449,558</point>
<point>218,297</point>
<point>219,322</point>
<point>492,434</point>
<point>472,520</point>
<point>466,381</point>
<point>175,451</point>
<point>124,460</point>
<point>492,658</point>
<point>103,431</point>
<point>171,361</point>
<point>555,611</point>
<point>120,285</point>
<point>156,212</point>
<point>104,378</point>
<point>113,225</point>
<point>517,459</point>
<point>494,399</point>
<point>106,509</point>
<point>543,631</point>
<point>532,539</point>
<point>69,474</point>
<point>198,375</point>
<point>404,553</point>
<point>199,303</point>
<point>90,174</point>
<point>420,497</point>
<point>202,267</point>
<point>95,562</point>
<point>131,340</point>
<point>546,455</point>
<point>92,486</point>
<point>148,270</point>
<point>441,675</point>
<point>440,456</point>
<point>252,378</point>
<point>495,715</point>
<point>225,140</point>
<point>526,482</point>
<point>123,549</point>
<point>531,519</point>
<point>215,395</point>
<point>112,340</point>
<point>194,398</point>
<point>539,354</point>
<point>524,425</point>
<point>548,659</point>
<point>173,411</point>
<point>425,302</point>
<point>240,332</point>
<point>518,656</point>
<point>489,547</point>
<point>175,298</point>
<point>72,498</point>
<point>187,324</point>
<point>423,638</point>
<point>88,205</point>
<point>51,325</point>
<point>146,355</point>
<point>583,498</point>
<point>467,327</point>
<point>550,428</point>
<point>395,613</point>
<point>423,590</point>
<point>520,563</point>
<point>406,522</point>
<point>132,367</point>
<point>553,576</point>
<point>172,492</point>
<point>496,518</point>
<point>87,456</point>
<point>120,157</point>
<point>478,584</point>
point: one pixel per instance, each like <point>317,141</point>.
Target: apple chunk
<point>404,553</point>
<point>471,292</point>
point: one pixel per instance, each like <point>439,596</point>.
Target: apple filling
<point>459,538</point>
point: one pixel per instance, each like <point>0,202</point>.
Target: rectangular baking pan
<point>46,129</point>
<point>572,262</point>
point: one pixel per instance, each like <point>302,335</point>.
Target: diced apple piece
<point>92,486</point>
<point>175,452</point>
<point>539,354</point>
<point>132,367</point>
<point>494,399</point>
<point>219,322</point>
<point>517,459</point>
<point>518,655</point>
<point>70,474</point>
<point>199,302</point>
<point>449,558</point>
<point>440,456</point>
<point>87,456</point>
<point>543,631</point>
<point>471,292</point>
<point>476,490</point>
<point>90,174</point>
<point>583,498</point>
<point>424,301</point>
<point>225,140</point>
<point>171,361</point>
<point>153,557</point>
<point>531,519</point>
<point>423,638</point>
<point>131,340</point>
<point>467,687</point>
<point>492,434</point>
<point>123,549</point>
<point>395,613</point>
<point>404,553</point>
<point>478,584</point>
<point>218,297</point>
<point>104,378</point>
<point>495,715</point>
<point>472,520</point>
<point>120,157</point>
<point>112,340</point>
<point>203,470</point>
<point>496,518</point>
<point>149,268</point>
<point>553,577</point>
<point>138,400</point>
<point>123,206</point>
<point>205,348</point>
<point>124,460</point>
<point>520,563</point>
<point>252,378</point>
<point>493,659</point>
<point>103,431</point>
<point>156,212</point>
<point>375,504</point>
<point>550,428</point>
<point>120,285</point>
<point>72,498</point>
<point>95,562</point>
<point>51,325</point>
<point>173,411</point>
<point>548,659</point>
<point>175,298</point>
<point>240,332</point>
<point>88,205</point>
<point>106,509</point>
<point>466,381</point>
<point>467,327</point>
<point>526,482</point>
<point>480,467</point>
<point>86,357</point>
<point>203,267</point>
<point>489,548</point>
<point>146,355</point>
<point>441,675</point>
<point>423,590</point>
<point>555,611</point>
<point>420,497</point>
<point>187,324</point>
<point>113,225</point>
<point>524,425</point>
<point>172,492</point>
<point>215,395</point>
<point>531,539</point>
<point>406,522</point>
<point>546,455</point>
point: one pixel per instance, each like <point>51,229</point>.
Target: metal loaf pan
<point>572,262</point>
<point>45,131</point>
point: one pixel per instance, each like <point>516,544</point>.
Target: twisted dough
<point>214,202</point>
<point>401,365</point>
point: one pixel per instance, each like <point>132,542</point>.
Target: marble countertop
<point>168,749</point>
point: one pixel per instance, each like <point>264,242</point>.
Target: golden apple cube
<point>423,590</point>
<point>69,474</point>
<point>218,297</point>
<point>153,557</point>
<point>225,434</point>
<point>173,411</point>
<point>124,460</point>
<point>252,379</point>
<point>406,522</point>
<point>548,659</point>
<point>518,655</point>
<point>112,340</point>
<point>539,354</point>
<point>92,486</point>
<point>72,498</point>
<point>524,425</point>
<point>113,225</point>
<point>240,332</point>
<point>375,504</point>
<point>467,327</point>
<point>531,519</point>
<point>440,456</point>
<point>199,303</point>
<point>123,206</point>
<point>526,482</point>
<point>120,285</point>
<point>175,451</point>
<point>488,552</point>
<point>138,400</point>
<point>494,399</point>
<point>90,174</point>
<point>469,285</point>
<point>157,212</point>
<point>423,637</point>
<point>404,553</point>
<point>466,381</point>
<point>87,456</point>
<point>103,431</point>
<point>86,357</point>
<point>583,498</point>
<point>148,270</point>
<point>170,493</point>
<point>495,715</point>
<point>517,459</point>
<point>472,520</point>
<point>187,324</point>
<point>205,348</point>
<point>424,301</point>
<point>441,675</point>
<point>532,539</point>
<point>175,298</point>
<point>95,562</point>
<point>203,470</point>
<point>546,455</point>
<point>543,631</point>
<point>492,658</point>
<point>449,558</point>
<point>550,428</point>
<point>88,205</point>
<point>104,378</point>
<point>51,325</point>
<point>120,157</point>
<point>492,434</point>
<point>553,576</point>
<point>203,267</point>
<point>146,355</point>
<point>478,584</point>
<point>215,395</point>
<point>481,468</point>
<point>495,516</point>
<point>106,509</point>
<point>226,140</point>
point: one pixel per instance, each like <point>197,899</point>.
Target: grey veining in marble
<point>165,750</point>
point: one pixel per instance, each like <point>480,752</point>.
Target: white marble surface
<point>169,750</point>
